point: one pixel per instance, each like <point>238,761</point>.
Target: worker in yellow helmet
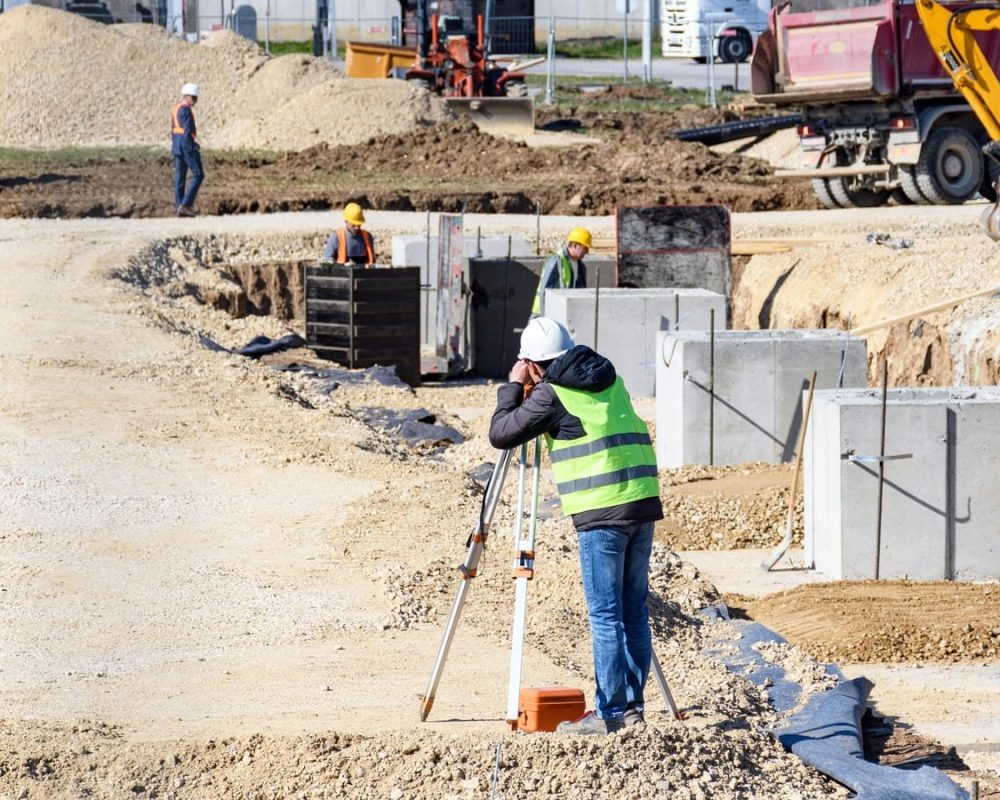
<point>351,244</point>
<point>564,269</point>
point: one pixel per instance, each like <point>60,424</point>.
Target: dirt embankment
<point>887,621</point>
<point>448,167</point>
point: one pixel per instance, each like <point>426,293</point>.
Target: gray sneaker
<point>590,725</point>
<point>633,717</point>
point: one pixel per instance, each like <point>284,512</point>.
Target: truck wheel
<point>950,169</point>
<point>900,198</point>
<point>856,198</point>
<point>991,173</point>
<point>908,183</point>
<point>736,48</point>
<point>822,189</point>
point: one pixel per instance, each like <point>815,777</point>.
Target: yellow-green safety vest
<point>565,280</point>
<point>613,462</point>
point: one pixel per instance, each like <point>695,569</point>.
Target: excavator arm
<point>951,32</point>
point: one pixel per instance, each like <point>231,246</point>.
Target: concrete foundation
<point>759,380</point>
<point>419,251</point>
<point>628,323</point>
<point>940,509</point>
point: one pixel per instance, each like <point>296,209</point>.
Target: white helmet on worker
<point>580,236</point>
<point>354,214</point>
<point>190,89</point>
<point>544,339</point>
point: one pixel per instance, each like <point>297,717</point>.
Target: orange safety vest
<point>342,246</point>
<point>178,128</point>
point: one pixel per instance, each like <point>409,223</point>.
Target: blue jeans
<point>190,159</point>
<point>614,564</point>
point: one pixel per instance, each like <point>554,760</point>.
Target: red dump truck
<point>881,118</point>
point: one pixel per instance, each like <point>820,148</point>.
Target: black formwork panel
<point>503,292</point>
<point>682,247</point>
<point>365,316</point>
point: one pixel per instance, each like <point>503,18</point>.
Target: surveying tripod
<point>523,571</point>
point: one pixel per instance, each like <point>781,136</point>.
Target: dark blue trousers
<point>187,160</point>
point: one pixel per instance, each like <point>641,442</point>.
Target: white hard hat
<point>191,89</point>
<point>544,339</point>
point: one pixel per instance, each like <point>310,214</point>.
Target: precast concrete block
<point>940,517</point>
<point>422,251</point>
<point>628,321</point>
<point>744,402</point>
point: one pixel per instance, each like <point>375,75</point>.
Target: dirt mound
<point>887,621</point>
<point>662,759</point>
<point>72,82</point>
<point>446,167</point>
<point>864,283</point>
<point>726,508</point>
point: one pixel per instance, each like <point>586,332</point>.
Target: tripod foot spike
<point>425,707</point>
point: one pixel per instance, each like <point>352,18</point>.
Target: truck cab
<point>882,118</point>
<point>692,28</point>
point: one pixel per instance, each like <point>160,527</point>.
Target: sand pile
<point>67,81</point>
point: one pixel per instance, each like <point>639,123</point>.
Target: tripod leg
<point>468,570</point>
<point>661,681</point>
<point>524,570</point>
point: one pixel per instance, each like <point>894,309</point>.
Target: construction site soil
<point>448,167</point>
<point>222,578</point>
<point>291,133</point>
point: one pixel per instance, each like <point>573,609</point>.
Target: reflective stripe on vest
<point>178,128</point>
<point>565,280</point>
<point>342,246</point>
<point>613,462</point>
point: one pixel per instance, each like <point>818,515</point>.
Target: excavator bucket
<point>511,115</point>
<point>990,219</point>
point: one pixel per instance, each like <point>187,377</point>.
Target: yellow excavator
<point>951,32</point>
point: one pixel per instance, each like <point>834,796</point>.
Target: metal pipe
<point>538,228</point>
<point>550,72</point>
<point>881,468</point>
<point>597,301</point>
<point>625,42</point>
<point>677,310</point>
<point>711,388</point>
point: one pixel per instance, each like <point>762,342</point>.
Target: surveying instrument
<point>523,571</point>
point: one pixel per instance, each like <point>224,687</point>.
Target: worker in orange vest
<point>186,151</point>
<point>351,244</point>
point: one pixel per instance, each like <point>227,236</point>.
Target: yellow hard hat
<point>354,214</point>
<point>580,236</point>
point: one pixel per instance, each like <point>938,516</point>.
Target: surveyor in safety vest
<point>564,269</point>
<point>605,470</point>
<point>186,151</point>
<point>351,244</point>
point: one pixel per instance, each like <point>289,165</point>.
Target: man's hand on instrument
<point>527,373</point>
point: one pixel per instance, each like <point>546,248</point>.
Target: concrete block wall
<point>940,510</point>
<point>418,251</point>
<point>628,321</point>
<point>760,377</point>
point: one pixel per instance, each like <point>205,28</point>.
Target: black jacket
<point>517,421</point>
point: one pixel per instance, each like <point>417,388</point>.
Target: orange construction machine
<point>451,59</point>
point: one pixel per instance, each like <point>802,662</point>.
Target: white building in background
<point>522,23</point>
<point>373,20</point>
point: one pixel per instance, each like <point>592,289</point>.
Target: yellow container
<point>366,60</point>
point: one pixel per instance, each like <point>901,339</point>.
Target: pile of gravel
<point>66,81</point>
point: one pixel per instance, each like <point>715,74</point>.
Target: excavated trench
<point>263,277</point>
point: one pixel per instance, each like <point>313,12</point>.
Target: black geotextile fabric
<point>826,733</point>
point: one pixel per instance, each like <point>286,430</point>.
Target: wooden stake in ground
<point>920,312</point>
<point>779,551</point>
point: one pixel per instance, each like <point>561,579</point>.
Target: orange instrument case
<point>542,709</point>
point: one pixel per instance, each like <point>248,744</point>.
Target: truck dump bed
<point>815,53</point>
